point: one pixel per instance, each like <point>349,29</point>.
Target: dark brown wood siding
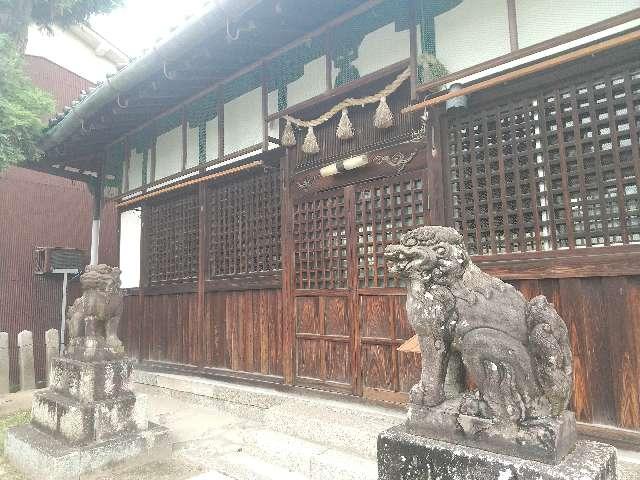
<point>240,330</point>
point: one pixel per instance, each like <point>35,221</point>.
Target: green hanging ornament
<point>383,117</point>
<point>288,136</point>
<point>345,129</point>
<point>310,145</point>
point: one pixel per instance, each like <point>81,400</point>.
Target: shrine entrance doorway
<point>349,310</point>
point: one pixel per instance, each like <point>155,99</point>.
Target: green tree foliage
<point>17,15</point>
<point>21,107</point>
<point>21,104</point>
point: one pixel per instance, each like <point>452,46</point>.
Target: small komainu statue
<point>94,317</point>
<point>516,352</point>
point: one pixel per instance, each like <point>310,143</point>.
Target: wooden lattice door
<point>349,311</point>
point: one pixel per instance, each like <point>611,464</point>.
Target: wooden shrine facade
<point>254,266</point>
<point>277,274</point>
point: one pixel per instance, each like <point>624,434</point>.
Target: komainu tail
<point>550,353</point>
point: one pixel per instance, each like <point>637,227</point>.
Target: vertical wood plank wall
<point>603,318</point>
<point>240,330</point>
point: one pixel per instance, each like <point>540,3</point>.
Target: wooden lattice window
<point>385,209</point>
<point>555,169</point>
<point>244,232</point>
<point>172,237</point>
<point>320,236</point>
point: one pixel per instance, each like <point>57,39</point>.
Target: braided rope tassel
<point>345,129</point>
<point>383,117</point>
<point>310,145</point>
<point>288,136</point>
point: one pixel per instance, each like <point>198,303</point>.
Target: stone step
<point>212,476</point>
<point>315,461</point>
<point>243,466</point>
<point>352,428</point>
<point>342,425</point>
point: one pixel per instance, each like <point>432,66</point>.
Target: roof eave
<point>190,34</point>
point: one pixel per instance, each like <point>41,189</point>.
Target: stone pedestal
<point>87,419</point>
<point>547,440</point>
<point>404,456</point>
<point>4,363</point>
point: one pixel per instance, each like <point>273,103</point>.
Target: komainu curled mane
<point>516,351</point>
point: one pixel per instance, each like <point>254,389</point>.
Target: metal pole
<point>63,323</point>
<point>97,206</point>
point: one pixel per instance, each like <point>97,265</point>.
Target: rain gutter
<point>188,35</point>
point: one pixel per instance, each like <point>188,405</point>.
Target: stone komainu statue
<point>516,351</point>
<point>94,317</point>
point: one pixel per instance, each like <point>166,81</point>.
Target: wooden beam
<point>188,183</point>
<point>413,49</point>
<point>513,25</point>
<point>530,69</point>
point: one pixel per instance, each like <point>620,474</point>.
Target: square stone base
<point>80,423</point>
<point>41,456</point>
<point>403,456</point>
<point>548,440</point>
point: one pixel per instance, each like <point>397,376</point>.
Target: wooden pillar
<point>288,285</point>
<point>435,177</point>
<point>202,266</point>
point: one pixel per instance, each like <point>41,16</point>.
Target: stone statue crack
<point>515,351</point>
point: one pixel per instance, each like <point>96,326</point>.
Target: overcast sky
<point>140,23</point>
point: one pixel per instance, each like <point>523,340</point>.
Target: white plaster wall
<point>471,33</point>
<point>136,162</point>
<point>539,20</point>
<point>549,52</point>
<point>193,147</point>
<point>130,228</point>
<point>313,82</point>
<point>169,153</point>
<point>68,51</point>
<point>274,125</point>
<point>242,122</point>
<point>381,48</point>
<point>212,138</point>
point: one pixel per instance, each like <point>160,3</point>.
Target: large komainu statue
<point>94,317</point>
<point>516,351</point>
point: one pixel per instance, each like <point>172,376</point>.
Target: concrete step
<point>349,427</point>
<point>314,460</point>
<point>243,466</point>
<point>341,425</point>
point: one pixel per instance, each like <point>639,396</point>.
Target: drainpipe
<point>97,206</point>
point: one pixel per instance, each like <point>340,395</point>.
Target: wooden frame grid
<point>554,169</point>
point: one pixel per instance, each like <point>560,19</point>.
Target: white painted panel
<point>169,153</point>
<point>550,51</point>
<point>539,20</point>
<point>130,228</point>
<point>242,121</point>
<point>212,139</point>
<point>272,101</point>
<point>193,151</point>
<point>471,33</point>
<point>274,125</point>
<point>312,83</point>
<point>136,162</point>
<point>381,48</point>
